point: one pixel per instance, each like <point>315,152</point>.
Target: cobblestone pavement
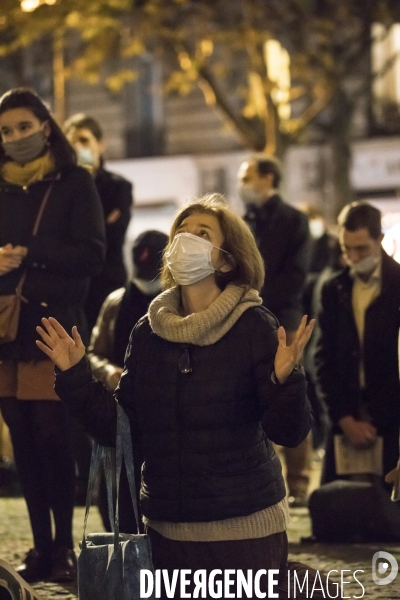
<point>15,540</point>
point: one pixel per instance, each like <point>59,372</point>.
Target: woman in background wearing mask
<point>86,137</point>
<point>208,383</point>
<point>37,163</point>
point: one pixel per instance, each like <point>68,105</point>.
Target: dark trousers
<point>270,552</point>
<point>263,553</point>
<point>82,449</point>
<point>40,434</point>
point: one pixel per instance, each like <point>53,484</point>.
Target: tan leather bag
<point>10,305</point>
<point>10,308</point>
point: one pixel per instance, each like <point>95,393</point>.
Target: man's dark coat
<point>283,239</point>
<point>339,352</point>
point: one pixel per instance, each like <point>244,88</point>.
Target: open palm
<point>65,351</point>
<point>287,357</point>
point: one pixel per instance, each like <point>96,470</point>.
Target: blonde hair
<point>248,265</point>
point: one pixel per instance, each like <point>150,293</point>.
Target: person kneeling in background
<point>119,314</point>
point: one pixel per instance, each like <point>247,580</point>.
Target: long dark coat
<point>283,239</point>
<point>338,353</point>
<point>68,249</point>
<point>116,198</point>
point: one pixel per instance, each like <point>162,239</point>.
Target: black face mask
<point>26,149</point>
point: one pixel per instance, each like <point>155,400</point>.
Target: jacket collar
<point>266,211</point>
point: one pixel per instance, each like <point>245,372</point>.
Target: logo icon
<point>383,567</point>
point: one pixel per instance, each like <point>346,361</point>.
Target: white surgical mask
<point>85,157</point>
<point>317,228</point>
<point>365,266</point>
<point>189,258</point>
<point>148,288</point>
<point>249,195</point>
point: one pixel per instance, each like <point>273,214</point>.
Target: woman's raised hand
<point>65,351</point>
<point>287,357</point>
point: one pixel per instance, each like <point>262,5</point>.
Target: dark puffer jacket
<point>204,434</point>
<point>68,249</point>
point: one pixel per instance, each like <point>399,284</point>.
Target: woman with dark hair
<point>41,187</point>
<point>208,384</point>
<point>62,152</point>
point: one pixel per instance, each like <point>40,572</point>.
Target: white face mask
<point>365,266</point>
<point>249,195</point>
<point>317,228</point>
<point>189,258</point>
<point>148,288</point>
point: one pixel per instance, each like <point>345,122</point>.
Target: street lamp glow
<point>29,5</point>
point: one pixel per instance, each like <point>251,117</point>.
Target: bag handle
<point>104,454</point>
<point>95,462</point>
<point>124,451</point>
<point>18,289</point>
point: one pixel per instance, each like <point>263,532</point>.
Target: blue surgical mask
<point>85,157</point>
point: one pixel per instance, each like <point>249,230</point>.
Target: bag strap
<point>95,462</point>
<point>124,451</point>
<point>43,205</point>
<point>109,473</point>
<point>105,454</point>
<point>18,289</point>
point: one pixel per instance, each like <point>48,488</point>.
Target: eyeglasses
<point>184,361</point>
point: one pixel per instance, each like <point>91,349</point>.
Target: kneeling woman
<point>208,384</point>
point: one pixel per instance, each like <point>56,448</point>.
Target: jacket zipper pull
<point>184,361</point>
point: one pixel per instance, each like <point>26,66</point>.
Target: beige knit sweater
<point>205,328</point>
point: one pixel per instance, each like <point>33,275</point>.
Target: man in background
<point>282,235</point>
<point>326,258</point>
<point>357,357</point>
<point>110,337</point>
<point>85,135</point>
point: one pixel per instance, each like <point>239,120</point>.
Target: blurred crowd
<point>63,222</point>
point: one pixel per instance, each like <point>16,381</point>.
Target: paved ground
<point>15,540</point>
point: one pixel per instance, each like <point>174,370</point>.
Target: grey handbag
<point>109,564</point>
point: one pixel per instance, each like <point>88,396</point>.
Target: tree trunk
<point>341,153</point>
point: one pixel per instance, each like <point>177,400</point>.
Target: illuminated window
<point>386,69</point>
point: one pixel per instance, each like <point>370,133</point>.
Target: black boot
<point>36,566</point>
<point>64,565</point>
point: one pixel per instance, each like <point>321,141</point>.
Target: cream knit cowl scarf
<point>203,328</point>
